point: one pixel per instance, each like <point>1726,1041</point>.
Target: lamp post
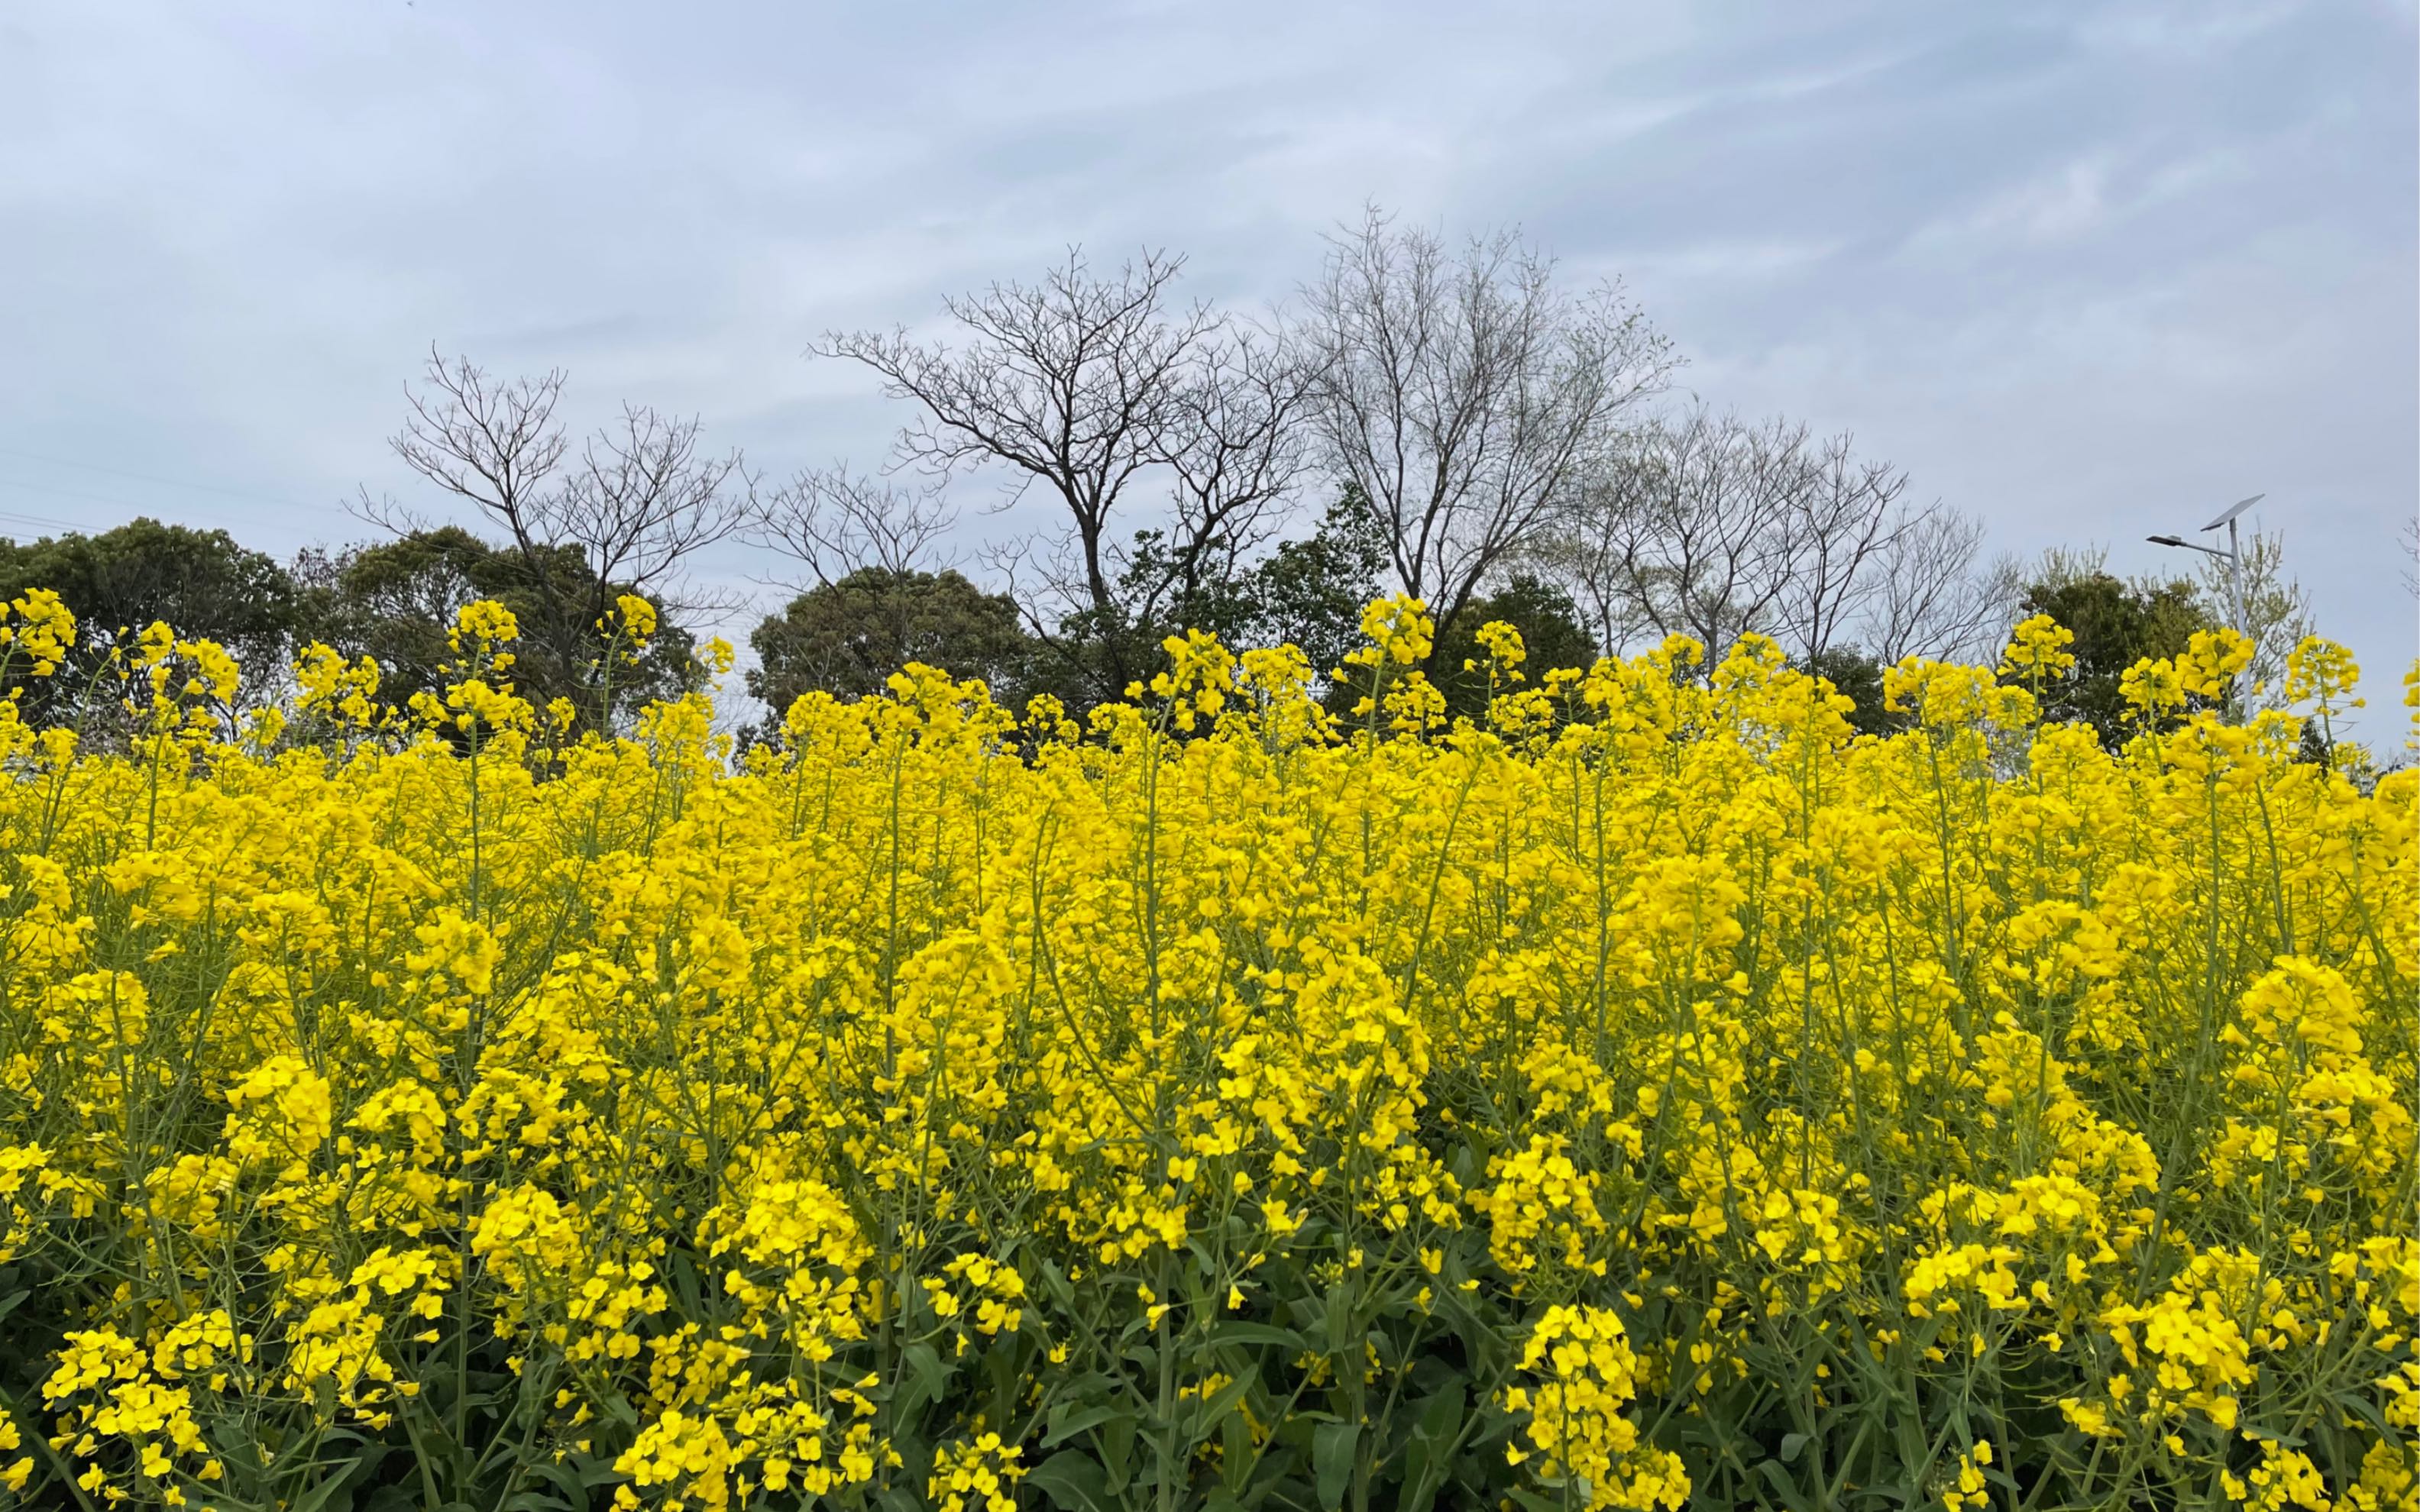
<point>2233,557</point>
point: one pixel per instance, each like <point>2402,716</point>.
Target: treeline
<point>391,601</point>
<point>1458,422</point>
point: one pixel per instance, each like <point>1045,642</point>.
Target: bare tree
<point>1690,526</point>
<point>1708,525</point>
<point>1234,447</point>
<point>1840,516</point>
<point>496,445</point>
<point>1077,382</point>
<point>1934,596</point>
<point>1466,395</point>
<point>2276,605</point>
<point>1585,550</point>
<point>637,501</point>
<point>838,522</point>
<point>644,499</point>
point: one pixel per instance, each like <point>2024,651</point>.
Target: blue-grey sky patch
<point>2087,270</point>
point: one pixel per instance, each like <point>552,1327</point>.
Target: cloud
<point>2062,206</point>
<point>2078,266</point>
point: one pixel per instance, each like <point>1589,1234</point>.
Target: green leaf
<point>319,1495</point>
<point>1063,1427</point>
<point>928,1377</point>
<point>1073,1480</point>
<point>1237,1464</point>
<point>1426,1457</point>
<point>1331,1461</point>
<point>1338,1319</point>
<point>2359,1405</point>
<point>1117,1441</point>
<point>1439,1420</point>
<point>1792,1445</point>
<point>618,1407</point>
<point>1783,1487</point>
<point>1222,1403</point>
<point>1055,1282</point>
<point>2282,1438</point>
<point>564,1478</point>
<point>1284,1338</point>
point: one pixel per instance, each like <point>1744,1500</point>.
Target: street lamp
<point>2233,557</point>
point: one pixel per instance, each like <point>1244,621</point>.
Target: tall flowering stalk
<point>1650,1094</point>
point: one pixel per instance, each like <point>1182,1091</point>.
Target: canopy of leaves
<point>1551,637</point>
<point>848,636</point>
<point>393,601</point>
<point>2115,624</point>
<point>202,582</point>
<point>1857,675</point>
<point>1308,593</point>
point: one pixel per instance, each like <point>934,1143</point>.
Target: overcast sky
<point>2090,272</point>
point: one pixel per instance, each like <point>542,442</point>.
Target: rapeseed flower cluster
<point>1650,1094</point>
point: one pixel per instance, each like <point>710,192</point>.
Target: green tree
<point>1551,637</point>
<point>1162,588</point>
<point>2115,624</point>
<point>1853,673</point>
<point>848,636</point>
<point>1310,594</point>
<point>202,583</point>
<point>394,602</point>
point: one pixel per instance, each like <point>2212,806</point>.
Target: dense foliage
<point>120,580</point>
<point>2116,624</point>
<point>1650,1091</point>
<point>390,600</point>
<point>848,636</point>
<point>394,600</point>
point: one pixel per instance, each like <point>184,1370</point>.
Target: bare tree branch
<point>1688,527</point>
<point>1842,515</point>
<point>638,500</point>
<point>2277,606</point>
<point>1466,394</point>
<point>643,499</point>
<point>1235,448</point>
<point>1708,526</point>
<point>1932,598</point>
<point>495,444</point>
<point>1075,383</point>
<point>837,522</point>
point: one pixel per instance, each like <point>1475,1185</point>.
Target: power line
<point>56,524</point>
<point>152,477</point>
<point>137,507</point>
<point>46,520</point>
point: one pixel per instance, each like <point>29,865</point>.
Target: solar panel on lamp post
<point>2233,557</point>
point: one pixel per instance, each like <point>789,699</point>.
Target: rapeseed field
<point>1651,1095</point>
